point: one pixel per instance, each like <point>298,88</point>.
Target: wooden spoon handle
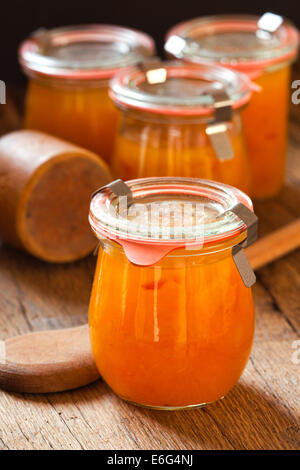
<point>274,245</point>
<point>47,361</point>
<point>57,360</point>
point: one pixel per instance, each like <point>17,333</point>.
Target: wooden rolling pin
<point>57,360</point>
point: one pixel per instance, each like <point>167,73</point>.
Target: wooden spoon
<point>47,361</point>
<point>57,360</point>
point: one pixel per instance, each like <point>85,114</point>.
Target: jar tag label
<point>119,188</point>
<point>220,141</point>
<point>250,219</point>
<point>154,71</point>
<point>269,22</point>
<point>156,76</point>
<point>217,131</point>
<point>222,104</point>
<point>243,266</point>
<point>239,257</point>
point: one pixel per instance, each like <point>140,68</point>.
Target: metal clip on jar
<point>264,49</point>
<point>171,313</point>
<point>69,70</point>
<point>181,120</point>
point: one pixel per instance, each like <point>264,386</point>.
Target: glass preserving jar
<point>69,70</point>
<point>264,48</point>
<point>168,111</point>
<point>171,320</point>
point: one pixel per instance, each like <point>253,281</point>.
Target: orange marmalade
<point>69,70</point>
<point>264,49</point>
<point>168,111</point>
<point>171,321</point>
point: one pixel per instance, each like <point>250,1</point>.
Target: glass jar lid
<point>168,211</point>
<point>240,41</point>
<point>177,88</point>
<point>84,52</point>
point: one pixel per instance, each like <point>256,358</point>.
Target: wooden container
<point>45,188</point>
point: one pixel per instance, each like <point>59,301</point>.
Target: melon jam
<point>171,321</point>
<point>264,48</point>
<point>69,70</point>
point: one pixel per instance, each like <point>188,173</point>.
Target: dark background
<point>19,18</point>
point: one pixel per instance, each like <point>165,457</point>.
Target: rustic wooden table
<point>261,412</point>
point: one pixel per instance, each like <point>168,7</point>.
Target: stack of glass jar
<point>170,112</point>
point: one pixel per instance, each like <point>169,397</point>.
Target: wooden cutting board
<point>58,360</point>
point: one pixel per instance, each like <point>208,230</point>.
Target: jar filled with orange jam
<point>171,320</point>
<point>69,70</point>
<point>181,120</point>
<point>264,48</point>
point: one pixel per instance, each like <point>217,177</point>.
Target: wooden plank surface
<point>261,412</point>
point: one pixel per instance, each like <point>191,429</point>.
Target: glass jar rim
<point>216,223</point>
<point>181,41</point>
<point>121,47</point>
<point>126,88</point>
